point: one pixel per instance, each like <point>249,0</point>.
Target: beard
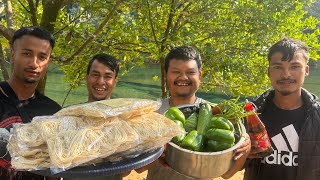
<point>285,93</point>
<point>185,95</point>
<point>288,81</point>
<point>31,81</point>
<point>95,98</point>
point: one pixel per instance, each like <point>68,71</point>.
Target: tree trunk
<point>9,13</point>
<point>163,82</point>
<point>10,31</point>
<point>163,47</point>
<point>4,70</point>
<point>33,12</point>
<point>50,13</point>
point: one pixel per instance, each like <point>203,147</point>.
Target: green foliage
<point>235,57</point>
<point>232,36</point>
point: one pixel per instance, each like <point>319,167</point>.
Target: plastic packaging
<point>27,149</point>
<point>258,134</point>
<point>62,142</point>
<point>124,108</point>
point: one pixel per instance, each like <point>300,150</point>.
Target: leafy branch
<point>7,33</point>
<point>76,18</point>
<point>98,30</point>
<point>151,24</point>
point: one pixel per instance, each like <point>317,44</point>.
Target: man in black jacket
<point>291,116</point>
<point>19,100</point>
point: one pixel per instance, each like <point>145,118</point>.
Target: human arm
<point>240,156</point>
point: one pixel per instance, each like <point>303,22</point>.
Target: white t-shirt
<point>159,172</point>
<point>166,105</point>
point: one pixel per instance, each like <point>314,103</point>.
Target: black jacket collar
<point>265,98</point>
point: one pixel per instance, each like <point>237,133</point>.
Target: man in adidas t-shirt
<point>292,118</point>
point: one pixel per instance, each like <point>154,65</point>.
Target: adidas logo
<point>284,154</point>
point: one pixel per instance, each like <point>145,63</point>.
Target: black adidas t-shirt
<point>283,128</point>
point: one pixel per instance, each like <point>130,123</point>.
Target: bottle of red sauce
<point>258,134</point>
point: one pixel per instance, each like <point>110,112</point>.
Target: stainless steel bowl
<point>203,165</point>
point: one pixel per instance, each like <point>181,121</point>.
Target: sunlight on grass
<point>140,83</point>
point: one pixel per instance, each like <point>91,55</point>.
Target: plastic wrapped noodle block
<point>80,136</point>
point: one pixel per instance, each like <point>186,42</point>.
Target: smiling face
<point>183,78</point>
<point>30,56</point>
<point>287,77</point>
<point>101,81</point>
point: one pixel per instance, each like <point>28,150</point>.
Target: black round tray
<point>107,168</point>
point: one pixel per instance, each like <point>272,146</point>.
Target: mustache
<point>31,70</point>
<point>286,81</point>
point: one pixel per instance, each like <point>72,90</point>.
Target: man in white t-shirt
<point>183,72</point>
<point>101,79</point>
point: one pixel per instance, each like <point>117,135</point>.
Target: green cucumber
<point>204,117</point>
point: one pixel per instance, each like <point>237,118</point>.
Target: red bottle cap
<point>248,106</point>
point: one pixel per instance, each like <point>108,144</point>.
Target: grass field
<point>140,84</point>
<point>312,82</point>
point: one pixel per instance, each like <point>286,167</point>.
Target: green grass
<point>139,83</point>
<point>312,82</point>
<point>57,89</point>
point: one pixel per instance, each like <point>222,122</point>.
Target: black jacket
<point>309,138</point>
<point>14,111</point>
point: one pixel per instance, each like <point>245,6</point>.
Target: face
<point>101,81</point>
<point>183,78</point>
<point>287,77</point>
<point>30,56</point>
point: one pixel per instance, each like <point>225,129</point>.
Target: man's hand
<point>243,149</point>
<point>240,155</point>
<point>254,153</point>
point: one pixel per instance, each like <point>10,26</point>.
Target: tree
<point>232,36</point>
<point>48,11</point>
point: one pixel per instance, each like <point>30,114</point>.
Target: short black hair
<point>185,53</point>
<point>36,31</point>
<point>107,60</point>
<point>288,47</point>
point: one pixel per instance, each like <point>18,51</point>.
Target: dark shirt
<point>14,111</point>
<point>283,128</point>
